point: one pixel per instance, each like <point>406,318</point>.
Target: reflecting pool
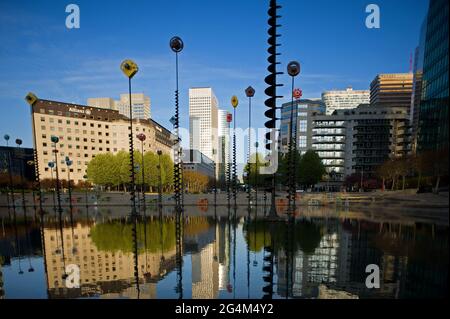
<point>101,252</point>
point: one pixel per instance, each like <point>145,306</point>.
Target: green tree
<point>102,170</point>
<point>310,169</point>
<point>256,162</point>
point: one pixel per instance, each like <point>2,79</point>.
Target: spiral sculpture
<point>271,91</point>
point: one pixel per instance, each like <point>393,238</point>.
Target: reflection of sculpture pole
<point>86,194</point>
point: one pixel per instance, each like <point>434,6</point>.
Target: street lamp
<point>129,68</point>
<point>159,152</point>
<point>55,140</point>
<point>293,70</point>
<point>177,45</point>
<point>141,137</point>
<point>249,92</point>
<point>234,103</point>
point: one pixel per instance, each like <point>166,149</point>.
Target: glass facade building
<point>433,112</point>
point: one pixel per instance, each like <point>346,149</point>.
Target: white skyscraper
<point>224,142</point>
<point>344,99</point>
<point>140,105</point>
<point>203,121</point>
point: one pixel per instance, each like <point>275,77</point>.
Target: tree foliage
<point>111,170</point>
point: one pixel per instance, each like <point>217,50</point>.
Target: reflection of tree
<point>115,236</point>
<point>196,225</point>
<point>307,235</point>
<point>254,235</point>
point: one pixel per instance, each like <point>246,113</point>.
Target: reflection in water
<point>226,255</point>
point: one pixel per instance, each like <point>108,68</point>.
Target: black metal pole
<point>58,189</point>
<point>249,152</point>
<point>291,180</point>
<point>11,183</point>
<point>143,177</point>
<point>160,181</point>
<point>36,163</point>
<point>132,172</point>
<point>234,161</point>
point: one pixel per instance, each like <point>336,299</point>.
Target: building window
<point>303,126</point>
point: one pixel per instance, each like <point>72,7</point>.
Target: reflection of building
<point>205,275</point>
<point>86,131</point>
<point>412,264</point>
<point>140,105</point>
<point>344,99</point>
<point>305,110</point>
<point>209,258</point>
<point>308,271</point>
<point>108,273</point>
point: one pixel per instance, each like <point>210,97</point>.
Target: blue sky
<point>225,48</point>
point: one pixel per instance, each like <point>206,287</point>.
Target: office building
<point>360,140</point>
<point>203,121</point>
<point>344,99</point>
<point>433,110</point>
<point>303,120</point>
<point>417,86</point>
<point>19,158</point>
<point>329,141</point>
<point>103,103</point>
<point>86,131</point>
<point>196,161</point>
<point>140,105</point>
<point>391,90</point>
<point>224,144</point>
